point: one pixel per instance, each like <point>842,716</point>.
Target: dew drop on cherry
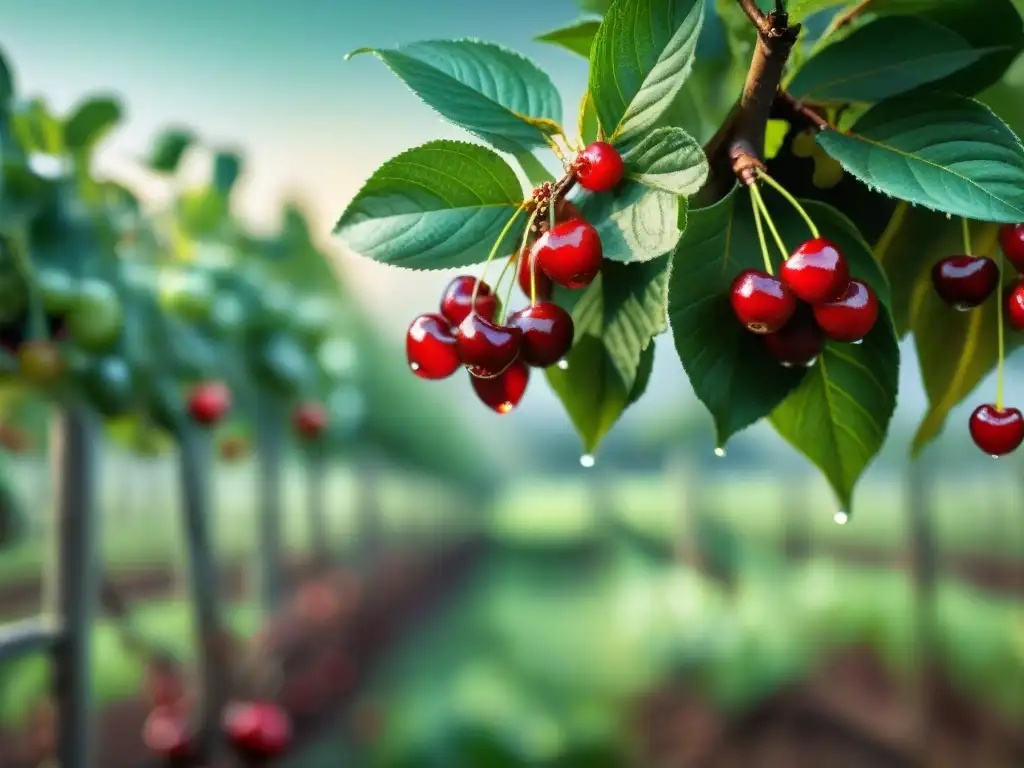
<point>841,518</point>
<point>720,452</point>
<point>587,460</point>
<point>563,364</point>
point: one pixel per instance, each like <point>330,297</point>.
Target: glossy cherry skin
<point>761,302</point>
<point>258,729</point>
<point>1015,305</point>
<point>310,419</point>
<point>599,167</point>
<point>964,282</point>
<point>816,271</point>
<point>1011,239</point>
<point>547,333</point>
<point>544,285</point>
<point>457,297</point>
<point>486,348</point>
<point>851,317</point>
<point>503,393</point>
<point>166,733</point>
<point>997,432</point>
<point>570,253</point>
<point>430,347</point>
<point>799,342</point>
<point>208,402</point>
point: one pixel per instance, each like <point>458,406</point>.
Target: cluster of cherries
<point>209,402</point>
<point>498,353</point>
<point>812,300</point>
<point>965,282</point>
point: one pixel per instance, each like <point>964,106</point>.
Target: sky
<point>269,78</point>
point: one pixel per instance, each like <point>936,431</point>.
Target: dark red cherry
<point>570,253</point>
<point>852,316</point>
<point>816,271</point>
<point>1015,305</point>
<point>964,282</point>
<point>599,167</point>
<point>799,342</point>
<point>544,285</point>
<point>166,733</point>
<point>997,431</point>
<point>310,419</point>
<point>486,348</point>
<point>761,302</point>
<point>258,730</point>
<point>1011,239</point>
<point>208,402</point>
<point>547,333</point>
<point>503,393</point>
<point>430,347</point>
<point>455,303</point>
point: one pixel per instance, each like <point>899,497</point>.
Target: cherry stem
<point>756,194</point>
<point>557,150</point>
<point>494,251</point>
<point>967,236</point>
<point>1000,334</point>
<point>760,235</point>
<point>791,200</point>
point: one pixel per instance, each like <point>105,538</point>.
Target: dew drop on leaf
<point>587,460</point>
<point>563,364</point>
<point>841,517</point>
<point>720,452</point>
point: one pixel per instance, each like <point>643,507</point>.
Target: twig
<point>758,19</point>
<point>803,110</point>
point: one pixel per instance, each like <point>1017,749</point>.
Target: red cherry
<point>310,419</point>
<point>487,348</point>
<point>258,730</point>
<point>504,392</point>
<point>1011,239</point>
<point>761,302</point>
<point>997,431</point>
<point>547,333</point>
<point>544,285</point>
<point>964,282</point>
<point>1015,305</point>
<point>430,347</point>
<point>850,317</point>
<point>816,271</point>
<point>166,733</point>
<point>570,253</point>
<point>599,167</point>
<point>455,303</point>
<point>799,342</point>
<point>208,402</point>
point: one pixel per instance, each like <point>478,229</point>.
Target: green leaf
<point>227,166</point>
<point>168,149</point>
<point>6,83</point>
<point>492,92</point>
<point>616,320</point>
<point>839,415</point>
<point>438,206</point>
<point>887,57</point>
<point>535,171</point>
<point>946,152</point>
<point>730,370</point>
<point>600,7</point>
<point>636,223</point>
<point>641,57</point>
<point>801,9</point>
<point>575,38</point>
<point>669,159</point>
<point>90,122</point>
<point>37,129</point>
<point>587,122</point>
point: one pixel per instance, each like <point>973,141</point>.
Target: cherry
<point>458,296</point>
<point>258,729</point>
<point>544,285</point>
<point>430,347</point>
<point>1015,305</point>
<point>850,317</point>
<point>310,419</point>
<point>487,348</point>
<point>1011,239</point>
<point>761,302</point>
<point>570,253</point>
<point>599,167</point>
<point>799,342</point>
<point>504,392</point>
<point>964,282</point>
<point>163,683</point>
<point>208,402</point>
<point>997,431</point>
<point>547,333</point>
<point>816,271</point>
<point>166,732</point>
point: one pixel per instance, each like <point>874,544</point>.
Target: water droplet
<point>949,216</point>
<point>586,460</point>
<point>858,341</point>
<point>995,456</point>
<point>563,364</point>
<point>841,517</point>
<point>720,452</point>
<point>414,366</point>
